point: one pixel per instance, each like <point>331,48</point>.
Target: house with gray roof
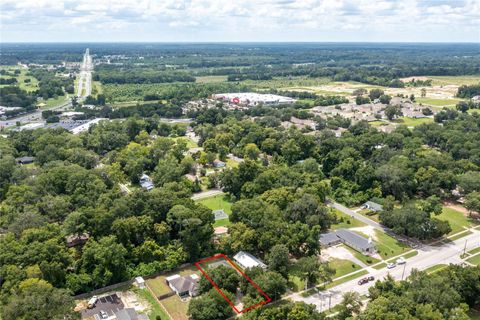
<point>349,238</point>
<point>373,206</point>
<point>146,182</point>
<point>184,286</point>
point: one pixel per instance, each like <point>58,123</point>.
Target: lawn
<point>438,102</point>
<point>345,221</point>
<point>218,202</point>
<point>176,307</point>
<point>475,260</point>
<point>53,102</point>
<point>210,79</point>
<point>232,163</point>
<point>343,267</point>
<point>365,259</point>
<point>388,246</point>
<point>190,142</point>
<point>295,283</point>
<point>156,310</point>
<point>369,214</point>
<point>456,219</point>
<point>412,122</point>
<point>473,251</point>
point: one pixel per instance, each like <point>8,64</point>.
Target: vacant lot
<point>412,122</point>
<point>454,80</point>
<point>343,267</point>
<point>216,203</point>
<point>345,221</point>
<point>457,219</point>
<point>388,246</point>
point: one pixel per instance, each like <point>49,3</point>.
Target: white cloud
<point>256,20</point>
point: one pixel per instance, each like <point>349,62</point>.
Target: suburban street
<point>428,256</point>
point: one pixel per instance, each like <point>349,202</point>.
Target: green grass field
<point>218,202</point>
<point>412,122</point>
<point>456,219</point>
<point>456,80</point>
<point>435,268</point>
<point>348,222</point>
<point>343,267</point>
<point>369,214</point>
<point>388,246</point>
<point>210,79</point>
<point>474,251</point>
<point>30,86</point>
<point>365,259</point>
<point>190,142</point>
<point>438,102</point>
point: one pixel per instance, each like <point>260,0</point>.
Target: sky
<point>239,21</point>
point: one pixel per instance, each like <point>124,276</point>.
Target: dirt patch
<point>456,207</point>
<point>408,79</point>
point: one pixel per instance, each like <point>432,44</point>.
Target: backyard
<point>218,202</point>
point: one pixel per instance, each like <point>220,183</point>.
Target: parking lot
<point>110,304</point>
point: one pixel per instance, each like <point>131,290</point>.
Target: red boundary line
<point>221,255</point>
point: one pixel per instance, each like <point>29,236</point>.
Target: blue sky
<point>239,20</point>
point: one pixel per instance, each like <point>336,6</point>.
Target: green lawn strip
<point>460,235</point>
<point>309,292</point>
<point>156,310</point>
<point>343,267</point>
<point>369,214</point>
<point>346,279</point>
<point>474,251</point>
<point>53,102</point>
<point>190,142</point>
<point>456,219</point>
<point>438,102</point>
<point>158,286</point>
<point>435,268</point>
<point>380,266</point>
<point>345,221</point>
<point>475,260</point>
<point>222,223</point>
<point>365,259</point>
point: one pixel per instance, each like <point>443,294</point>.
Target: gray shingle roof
<point>374,206</point>
<point>348,237</point>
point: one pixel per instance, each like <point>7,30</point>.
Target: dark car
<point>363,281</point>
<point>371,278</point>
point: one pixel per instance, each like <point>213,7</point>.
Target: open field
<point>365,259</point>
<point>97,88</point>
<point>388,246</point>
<point>412,122</point>
<point>343,267</point>
<point>210,79</point>
<point>438,102</point>
<point>30,86</point>
<point>176,307</point>
<point>190,142</point>
<point>218,202</point>
<point>456,219</point>
<point>345,221</point>
<point>286,82</point>
<point>454,80</point>
<point>369,214</point>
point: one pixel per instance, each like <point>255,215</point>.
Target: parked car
<point>91,303</point>
<point>362,281</point>
<point>103,314</point>
<point>391,265</point>
<point>401,260</point>
<point>371,278</point>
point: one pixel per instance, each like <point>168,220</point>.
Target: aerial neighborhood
<point>151,171</point>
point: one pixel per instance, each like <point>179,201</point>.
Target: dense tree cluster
<point>468,91</point>
<point>140,76</point>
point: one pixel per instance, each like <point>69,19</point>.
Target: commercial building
<point>349,238</point>
<point>253,99</point>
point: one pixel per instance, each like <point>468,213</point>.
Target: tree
<point>278,260</point>
<point>462,106</point>
<point>351,305</point>
<point>210,306</point>
<point>472,202</point>
<point>423,93</point>
<point>385,98</point>
<point>311,270</point>
<point>225,278</point>
<point>38,299</point>
<point>375,94</point>
<point>251,151</point>
<point>393,111</point>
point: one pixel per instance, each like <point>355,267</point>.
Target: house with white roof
<point>246,260</point>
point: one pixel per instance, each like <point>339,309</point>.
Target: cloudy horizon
<point>240,21</point>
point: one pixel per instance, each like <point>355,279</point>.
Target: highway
<point>444,253</point>
<point>85,76</point>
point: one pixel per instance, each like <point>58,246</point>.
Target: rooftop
<point>247,260</point>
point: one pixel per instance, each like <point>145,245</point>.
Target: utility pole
<point>404,267</point>
<point>465,248</point>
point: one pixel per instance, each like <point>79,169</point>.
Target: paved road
<point>206,194</point>
<point>85,76</point>
<point>427,256</point>
<point>35,116</point>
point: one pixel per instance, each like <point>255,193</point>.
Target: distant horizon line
<point>242,42</point>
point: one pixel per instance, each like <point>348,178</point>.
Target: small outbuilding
<point>140,282</point>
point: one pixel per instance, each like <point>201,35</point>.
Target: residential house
<point>146,182</point>
<point>373,206</point>
<point>246,260</point>
<point>25,160</point>
<point>184,286</point>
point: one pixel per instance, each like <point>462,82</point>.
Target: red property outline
<point>221,255</point>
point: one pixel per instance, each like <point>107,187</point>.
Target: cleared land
<point>216,203</point>
<point>458,221</point>
<point>345,221</point>
<point>454,80</point>
<point>343,267</point>
<point>210,79</point>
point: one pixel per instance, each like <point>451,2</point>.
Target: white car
<point>103,314</point>
<point>391,265</point>
<point>401,260</point>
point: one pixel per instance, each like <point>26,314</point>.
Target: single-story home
<point>25,160</point>
<point>373,206</point>
<point>349,238</point>
<point>146,182</point>
<point>74,240</point>
<point>184,286</point>
<point>246,260</point>
<point>219,164</point>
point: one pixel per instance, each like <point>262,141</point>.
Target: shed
<point>140,282</point>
